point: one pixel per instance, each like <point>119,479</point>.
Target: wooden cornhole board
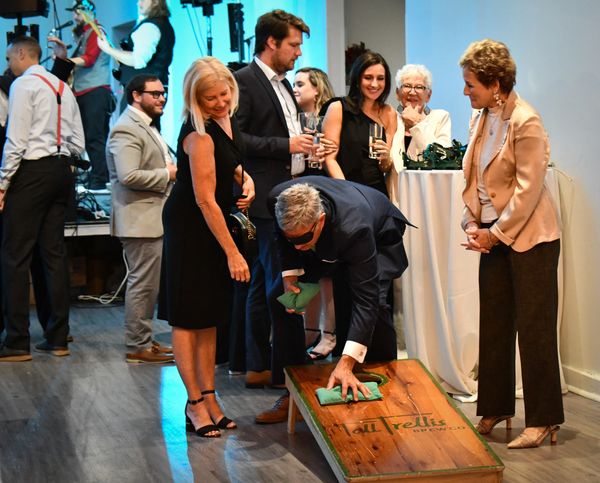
<point>415,433</point>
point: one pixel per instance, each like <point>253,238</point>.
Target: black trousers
<point>519,294</point>
<point>34,212</point>
<point>42,304</point>
<point>259,317</point>
<point>95,107</point>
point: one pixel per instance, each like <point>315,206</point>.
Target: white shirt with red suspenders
<point>35,129</point>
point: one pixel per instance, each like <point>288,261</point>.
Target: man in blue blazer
<point>324,225</point>
<point>268,119</point>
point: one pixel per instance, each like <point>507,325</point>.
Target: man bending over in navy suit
<point>324,224</point>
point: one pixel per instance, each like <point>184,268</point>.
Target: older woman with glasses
<point>418,125</point>
<point>511,219</point>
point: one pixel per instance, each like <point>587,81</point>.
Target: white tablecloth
<point>440,293</point>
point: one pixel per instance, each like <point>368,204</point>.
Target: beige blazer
<point>514,178</point>
<point>139,180</point>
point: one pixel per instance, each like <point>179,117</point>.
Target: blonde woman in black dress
<point>200,257</point>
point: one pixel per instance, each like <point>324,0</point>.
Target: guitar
<point>89,20</point>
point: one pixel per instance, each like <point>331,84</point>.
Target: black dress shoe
<point>14,355</point>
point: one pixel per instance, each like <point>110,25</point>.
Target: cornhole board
<point>415,433</point>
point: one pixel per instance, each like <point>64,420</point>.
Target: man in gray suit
<point>141,170</point>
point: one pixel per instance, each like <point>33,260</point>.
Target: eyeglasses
<point>156,94</point>
<point>304,238</point>
<point>409,87</point>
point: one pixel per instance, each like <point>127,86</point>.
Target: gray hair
<point>298,206</point>
<point>417,69</point>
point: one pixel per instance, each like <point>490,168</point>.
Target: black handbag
<point>243,233</point>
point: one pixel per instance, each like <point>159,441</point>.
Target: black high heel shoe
<point>204,430</point>
<point>325,346</point>
<point>224,422</point>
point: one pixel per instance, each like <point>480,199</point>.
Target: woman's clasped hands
<point>479,239</point>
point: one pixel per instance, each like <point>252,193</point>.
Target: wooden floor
<point>91,417</point>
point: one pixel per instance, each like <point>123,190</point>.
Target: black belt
<point>54,157</point>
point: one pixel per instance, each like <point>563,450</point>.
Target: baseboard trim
<point>581,382</point>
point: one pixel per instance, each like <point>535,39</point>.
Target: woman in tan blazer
<point>510,218</point>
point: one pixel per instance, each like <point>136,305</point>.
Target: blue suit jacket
<point>265,134</point>
<point>363,231</point>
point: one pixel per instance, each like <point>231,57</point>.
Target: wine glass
<point>312,123</point>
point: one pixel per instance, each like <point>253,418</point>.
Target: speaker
<point>235,15</point>
<point>23,8</point>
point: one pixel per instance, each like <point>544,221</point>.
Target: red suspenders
<point>59,92</point>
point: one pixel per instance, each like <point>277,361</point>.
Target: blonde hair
<point>202,75</point>
<point>320,82</point>
<point>490,60</point>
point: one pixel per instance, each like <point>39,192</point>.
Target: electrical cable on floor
<point>107,298</point>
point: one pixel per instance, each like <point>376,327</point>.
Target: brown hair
<point>28,44</point>
<point>158,8</point>
<point>490,60</point>
<point>355,96</point>
<point>276,24</point>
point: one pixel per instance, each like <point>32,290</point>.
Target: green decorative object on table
<point>299,301</point>
<point>437,156</point>
<point>334,395</point>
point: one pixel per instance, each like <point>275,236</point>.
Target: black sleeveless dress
<point>353,155</point>
<point>196,287</point>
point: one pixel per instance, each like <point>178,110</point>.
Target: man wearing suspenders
<point>44,131</point>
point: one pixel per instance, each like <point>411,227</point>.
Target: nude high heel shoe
<point>535,437</point>
<point>487,423</point>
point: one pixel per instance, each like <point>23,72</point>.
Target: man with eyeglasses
<point>141,171</point>
<point>324,224</point>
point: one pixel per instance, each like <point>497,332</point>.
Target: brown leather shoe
<point>149,356</point>
<point>258,380</point>
<point>277,414</point>
<point>13,355</point>
<point>163,349</point>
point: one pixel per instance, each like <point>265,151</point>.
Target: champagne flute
<point>375,134</point>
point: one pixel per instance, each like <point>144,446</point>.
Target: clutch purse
<point>243,233</point>
<point>437,156</point>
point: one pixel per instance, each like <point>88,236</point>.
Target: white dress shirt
<point>145,40</point>
<point>148,121</point>
<point>289,111</point>
<point>490,140</point>
<point>3,108</point>
<point>32,122</point>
